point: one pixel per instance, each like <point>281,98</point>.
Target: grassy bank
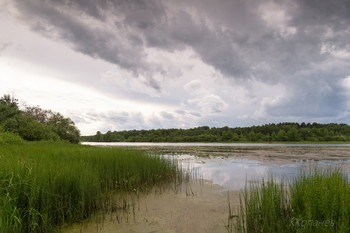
<point>45,185</point>
<point>316,202</point>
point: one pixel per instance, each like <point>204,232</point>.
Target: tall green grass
<point>44,185</point>
<point>317,201</point>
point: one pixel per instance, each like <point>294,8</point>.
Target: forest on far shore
<point>281,132</point>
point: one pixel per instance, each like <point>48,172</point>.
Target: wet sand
<point>201,207</point>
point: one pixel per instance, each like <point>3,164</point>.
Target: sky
<point>150,64</point>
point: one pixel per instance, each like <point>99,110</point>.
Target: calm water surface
<point>205,144</point>
<point>233,173</point>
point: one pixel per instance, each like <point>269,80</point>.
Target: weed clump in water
<point>317,201</point>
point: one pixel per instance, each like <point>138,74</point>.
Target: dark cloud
<point>116,43</point>
<point>322,12</point>
<point>318,94</point>
<point>301,44</point>
<point>232,36</point>
<point>310,104</point>
<point>137,24</point>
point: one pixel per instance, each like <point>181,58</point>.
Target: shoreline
<point>200,206</point>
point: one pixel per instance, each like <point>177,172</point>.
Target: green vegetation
<point>34,123</point>
<point>282,132</point>
<point>316,202</point>
<point>46,184</point>
<point>9,138</point>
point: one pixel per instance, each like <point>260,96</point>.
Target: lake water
<point>207,144</point>
<point>204,208</point>
<point>233,173</point>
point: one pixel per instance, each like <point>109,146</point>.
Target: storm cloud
<point>302,46</point>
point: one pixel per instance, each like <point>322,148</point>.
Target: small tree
<point>9,101</point>
<point>39,114</point>
<point>64,127</point>
<point>36,131</point>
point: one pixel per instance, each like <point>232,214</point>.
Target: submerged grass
<point>317,201</point>
<point>44,185</point>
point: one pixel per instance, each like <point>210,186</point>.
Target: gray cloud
<point>229,35</point>
<point>83,37</point>
<point>113,42</point>
<point>322,12</point>
<point>316,104</point>
<point>4,46</point>
<point>167,115</point>
<point>196,114</point>
<point>208,104</point>
<point>301,44</point>
<point>315,94</point>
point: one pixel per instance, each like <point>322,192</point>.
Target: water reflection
<point>233,174</point>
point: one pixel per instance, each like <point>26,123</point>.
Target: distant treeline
<point>281,132</point>
<point>34,123</point>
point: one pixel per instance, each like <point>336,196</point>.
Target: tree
<point>64,127</point>
<point>281,135</point>
<point>227,136</point>
<point>34,123</point>
<point>38,114</point>
<point>9,101</point>
<point>265,133</point>
<point>35,131</point>
<point>98,137</point>
<point>15,123</point>
<point>293,135</point>
<point>8,108</point>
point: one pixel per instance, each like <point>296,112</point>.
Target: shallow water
<point>231,167</point>
<point>234,173</point>
<point>203,205</point>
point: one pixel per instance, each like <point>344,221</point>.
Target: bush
<point>35,131</point>
<point>10,138</point>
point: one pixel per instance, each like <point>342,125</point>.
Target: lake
<point>232,165</point>
<point>209,144</point>
<point>235,173</point>
<point>222,169</point>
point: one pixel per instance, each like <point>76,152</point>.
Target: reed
<point>44,185</point>
<point>316,201</point>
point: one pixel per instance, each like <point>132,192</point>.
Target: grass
<point>317,201</point>
<point>44,185</point>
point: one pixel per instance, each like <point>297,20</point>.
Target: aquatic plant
<point>317,201</point>
<point>44,185</point>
